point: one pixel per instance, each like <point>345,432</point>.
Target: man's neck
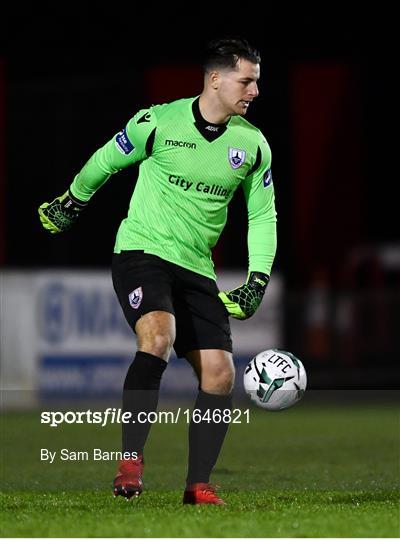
<point>212,111</point>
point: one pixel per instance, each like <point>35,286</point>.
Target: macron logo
<point>182,144</point>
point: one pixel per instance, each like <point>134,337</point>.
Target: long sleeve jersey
<point>188,173</point>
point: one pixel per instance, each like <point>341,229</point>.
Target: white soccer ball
<point>275,379</point>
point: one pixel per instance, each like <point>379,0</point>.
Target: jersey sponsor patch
<point>267,178</point>
<point>136,297</point>
<point>123,144</point>
<point>236,157</point>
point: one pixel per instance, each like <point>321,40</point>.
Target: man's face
<point>237,88</point>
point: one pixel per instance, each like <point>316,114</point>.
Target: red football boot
<point>201,493</point>
<point>128,481</point>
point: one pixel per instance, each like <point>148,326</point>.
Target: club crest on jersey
<point>136,297</point>
<point>236,157</point>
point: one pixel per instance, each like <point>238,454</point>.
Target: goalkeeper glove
<point>59,215</point>
<point>242,303</point>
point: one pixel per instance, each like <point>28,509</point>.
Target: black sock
<point>141,389</point>
<point>206,438</point>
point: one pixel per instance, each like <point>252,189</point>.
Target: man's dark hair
<point>225,53</point>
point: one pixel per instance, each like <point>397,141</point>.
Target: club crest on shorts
<point>236,157</point>
<point>135,297</point>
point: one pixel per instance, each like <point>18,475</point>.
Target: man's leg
<point>155,334</point>
<point>215,371</point>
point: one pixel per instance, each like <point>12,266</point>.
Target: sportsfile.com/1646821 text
<point>114,415</point>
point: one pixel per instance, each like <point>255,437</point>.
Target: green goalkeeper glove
<point>242,303</point>
<point>59,215</point>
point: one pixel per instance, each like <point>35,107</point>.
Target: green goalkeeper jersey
<point>188,173</point>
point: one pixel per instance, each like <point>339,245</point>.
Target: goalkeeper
<point>193,153</point>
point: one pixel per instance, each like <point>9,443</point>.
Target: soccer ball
<point>275,379</point>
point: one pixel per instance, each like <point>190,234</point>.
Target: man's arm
<point>127,147</point>
<point>259,194</point>
<point>258,189</point>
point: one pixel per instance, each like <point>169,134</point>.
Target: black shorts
<point>145,282</point>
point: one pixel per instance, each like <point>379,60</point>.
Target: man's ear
<point>213,79</point>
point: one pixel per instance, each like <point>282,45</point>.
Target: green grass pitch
<point>325,468</point>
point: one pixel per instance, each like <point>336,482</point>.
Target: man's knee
<point>157,344</point>
<point>219,379</point>
<point>156,333</point>
<point>223,382</point>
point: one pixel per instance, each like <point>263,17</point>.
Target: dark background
<point>72,80</point>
